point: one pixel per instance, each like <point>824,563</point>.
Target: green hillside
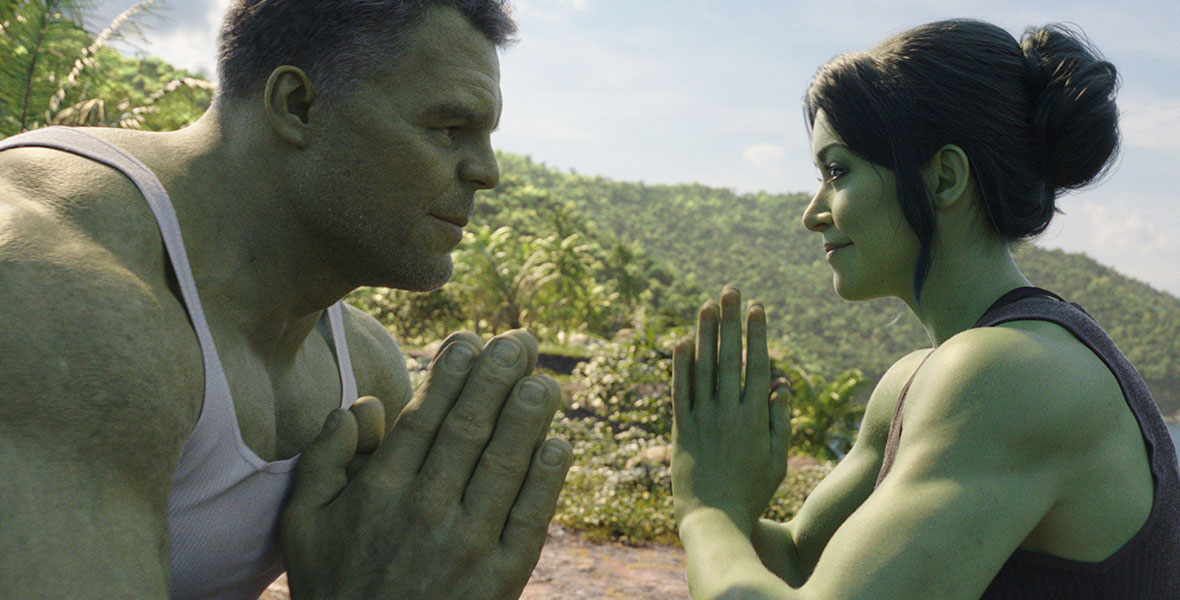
<point>709,237</point>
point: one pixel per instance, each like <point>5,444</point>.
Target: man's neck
<point>260,273</point>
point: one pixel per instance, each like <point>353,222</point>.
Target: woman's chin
<point>848,291</point>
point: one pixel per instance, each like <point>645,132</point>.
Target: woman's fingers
<point>780,416</point>
<point>705,358</point>
<point>682,383</point>
<point>729,355</point>
<point>757,386</point>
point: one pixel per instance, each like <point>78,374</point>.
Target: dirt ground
<point>573,568</point>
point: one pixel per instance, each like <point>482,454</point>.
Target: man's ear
<point>947,176</point>
<point>288,103</point>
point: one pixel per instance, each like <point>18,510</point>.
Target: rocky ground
<point>573,568</point>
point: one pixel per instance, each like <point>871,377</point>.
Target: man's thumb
<point>320,475</point>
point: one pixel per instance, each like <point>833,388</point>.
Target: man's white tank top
<point>224,506</point>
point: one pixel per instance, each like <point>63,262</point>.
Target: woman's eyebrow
<point>819,156</point>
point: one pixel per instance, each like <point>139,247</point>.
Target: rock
<point>795,462</point>
<point>653,455</point>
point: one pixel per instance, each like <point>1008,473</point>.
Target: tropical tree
<point>498,272</point>
<point>39,41</point>
<point>825,414</point>
<point>54,72</point>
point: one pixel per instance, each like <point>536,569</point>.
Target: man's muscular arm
<point>95,403</point>
<point>377,362</point>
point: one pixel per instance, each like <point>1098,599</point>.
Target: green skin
<point>286,203</point>
<point>1016,436</point>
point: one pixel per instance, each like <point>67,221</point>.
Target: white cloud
<point>1117,235</point>
<point>1151,123</point>
<point>547,10</point>
<point>765,155</point>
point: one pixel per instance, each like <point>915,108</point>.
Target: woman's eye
<point>833,172</point>
<point>448,131</point>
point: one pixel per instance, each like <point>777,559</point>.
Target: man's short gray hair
<point>333,41</point>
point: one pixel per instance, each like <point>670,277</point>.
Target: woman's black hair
<point>1034,117</point>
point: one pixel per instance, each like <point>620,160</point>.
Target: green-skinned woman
<point>1021,456</point>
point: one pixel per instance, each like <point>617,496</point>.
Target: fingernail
<point>459,356</point>
<point>551,455</point>
<point>506,351</point>
<point>531,392</point>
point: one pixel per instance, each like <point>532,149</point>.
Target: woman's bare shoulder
<point>1031,379</point>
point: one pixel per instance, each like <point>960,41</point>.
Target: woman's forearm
<point>722,561</point>
<point>776,548</point>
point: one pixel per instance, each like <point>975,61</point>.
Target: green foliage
<point>619,421</point>
<point>825,415</point>
<point>531,261</point>
<point>56,73</point>
<point>706,237</point>
<point>627,386</point>
<point>40,41</point>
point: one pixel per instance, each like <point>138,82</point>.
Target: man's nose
<point>481,169</point>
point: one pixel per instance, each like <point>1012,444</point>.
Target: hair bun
<point>1072,105</point>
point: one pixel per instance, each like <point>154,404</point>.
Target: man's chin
<point>426,278</point>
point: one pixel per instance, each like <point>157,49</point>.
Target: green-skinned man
<point>177,376</point>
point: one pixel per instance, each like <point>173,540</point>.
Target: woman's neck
<point>962,284</point>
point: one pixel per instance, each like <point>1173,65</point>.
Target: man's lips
<point>830,246</point>
<point>457,220</point>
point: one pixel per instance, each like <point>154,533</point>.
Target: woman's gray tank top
<point>1148,566</point>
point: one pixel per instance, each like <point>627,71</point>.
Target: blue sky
<point>669,91</point>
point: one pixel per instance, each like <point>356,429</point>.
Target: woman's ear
<point>947,176</point>
<point>288,102</point>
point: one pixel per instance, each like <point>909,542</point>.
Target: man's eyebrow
<point>458,111</point>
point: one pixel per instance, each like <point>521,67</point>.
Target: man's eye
<point>448,131</point>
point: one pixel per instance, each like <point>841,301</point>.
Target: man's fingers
<point>409,440</point>
<point>555,392</point>
<point>530,347</point>
<point>466,336</point>
<point>528,521</point>
<point>504,463</point>
<point>320,474</point>
<point>370,419</point>
<point>705,356</point>
<point>729,353</point>
<point>468,426</point>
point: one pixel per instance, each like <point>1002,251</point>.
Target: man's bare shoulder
<point>377,362</point>
<point>85,328</point>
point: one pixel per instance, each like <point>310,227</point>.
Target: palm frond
<point>36,35</point>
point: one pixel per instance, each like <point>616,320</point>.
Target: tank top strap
<point>998,307</point>
<point>85,145</point>
<point>337,334</point>
<point>895,426</point>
